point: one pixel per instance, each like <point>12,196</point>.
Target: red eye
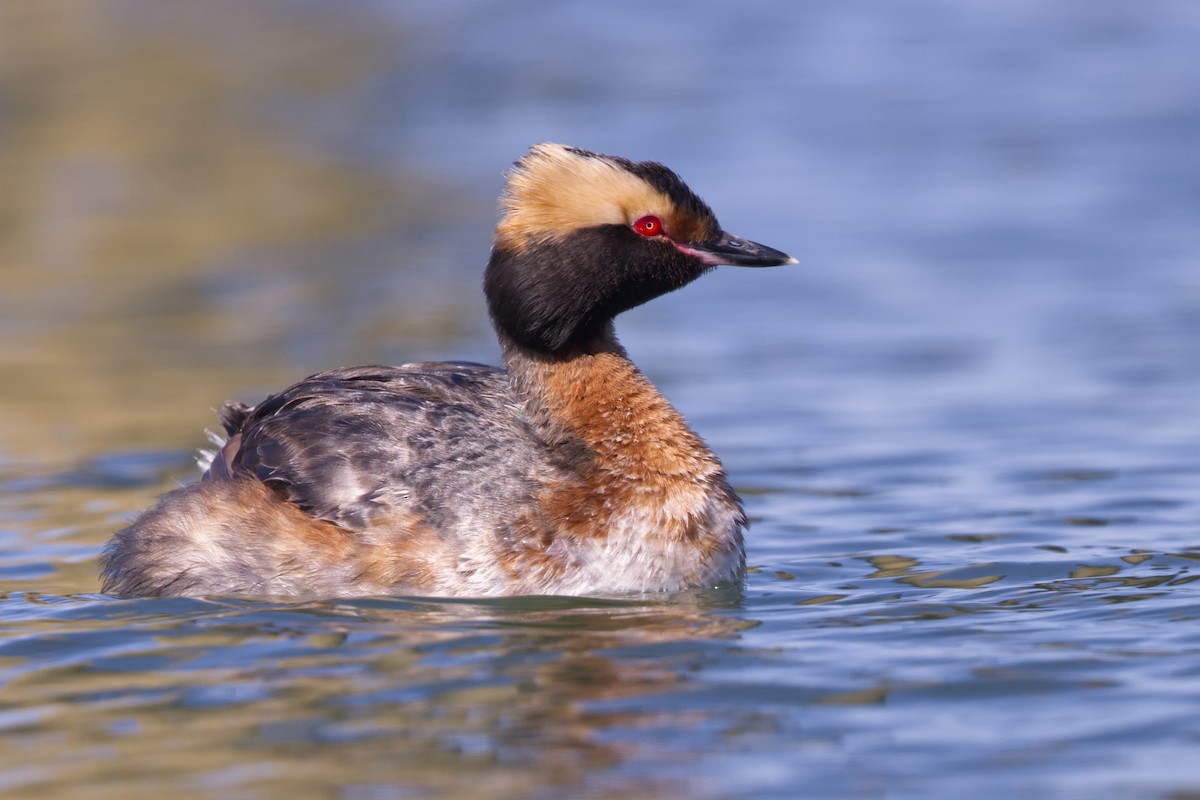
<point>649,226</point>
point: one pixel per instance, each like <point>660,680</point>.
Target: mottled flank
<point>239,537</point>
<point>566,473</point>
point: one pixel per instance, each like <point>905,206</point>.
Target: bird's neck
<point>596,402</point>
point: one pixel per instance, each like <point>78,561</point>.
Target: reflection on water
<point>351,693</point>
<point>965,427</point>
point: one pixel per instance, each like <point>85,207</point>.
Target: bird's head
<point>585,236</point>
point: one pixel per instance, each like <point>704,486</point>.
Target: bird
<point>564,472</point>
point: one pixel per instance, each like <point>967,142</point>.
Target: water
<point>966,428</point>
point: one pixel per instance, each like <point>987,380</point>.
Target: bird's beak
<point>734,251</point>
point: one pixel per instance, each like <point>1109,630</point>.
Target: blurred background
<point>994,330</point>
<point>206,201</point>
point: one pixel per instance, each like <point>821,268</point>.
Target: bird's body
<point>565,473</point>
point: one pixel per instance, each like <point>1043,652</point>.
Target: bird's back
<point>414,463</point>
<point>354,444</point>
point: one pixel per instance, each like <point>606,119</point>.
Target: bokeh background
<point>971,413</point>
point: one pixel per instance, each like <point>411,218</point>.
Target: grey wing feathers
<point>350,444</point>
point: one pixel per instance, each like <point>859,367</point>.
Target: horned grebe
<point>564,473</point>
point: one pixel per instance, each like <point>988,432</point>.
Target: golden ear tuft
<point>555,190</point>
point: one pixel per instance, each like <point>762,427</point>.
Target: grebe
<point>564,473</point>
